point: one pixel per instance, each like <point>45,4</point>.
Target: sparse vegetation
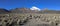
<point>29,19</point>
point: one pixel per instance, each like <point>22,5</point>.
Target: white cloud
<point>35,8</point>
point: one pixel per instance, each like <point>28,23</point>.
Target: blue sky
<point>11,4</point>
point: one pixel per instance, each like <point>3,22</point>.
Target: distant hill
<point>23,10</point>
<point>2,11</point>
<point>50,11</point>
<point>27,10</point>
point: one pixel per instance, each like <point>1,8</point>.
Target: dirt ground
<point>29,19</point>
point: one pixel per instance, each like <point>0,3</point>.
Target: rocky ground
<point>29,19</point>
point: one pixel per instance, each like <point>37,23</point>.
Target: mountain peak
<point>35,8</point>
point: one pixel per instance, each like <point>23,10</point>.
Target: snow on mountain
<point>35,8</point>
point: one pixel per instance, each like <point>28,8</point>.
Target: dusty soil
<point>29,19</point>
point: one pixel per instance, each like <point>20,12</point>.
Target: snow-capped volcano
<point>35,8</point>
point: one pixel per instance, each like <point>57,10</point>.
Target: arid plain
<point>29,19</point>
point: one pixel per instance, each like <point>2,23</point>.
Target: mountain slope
<point>23,10</point>
<point>3,11</point>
